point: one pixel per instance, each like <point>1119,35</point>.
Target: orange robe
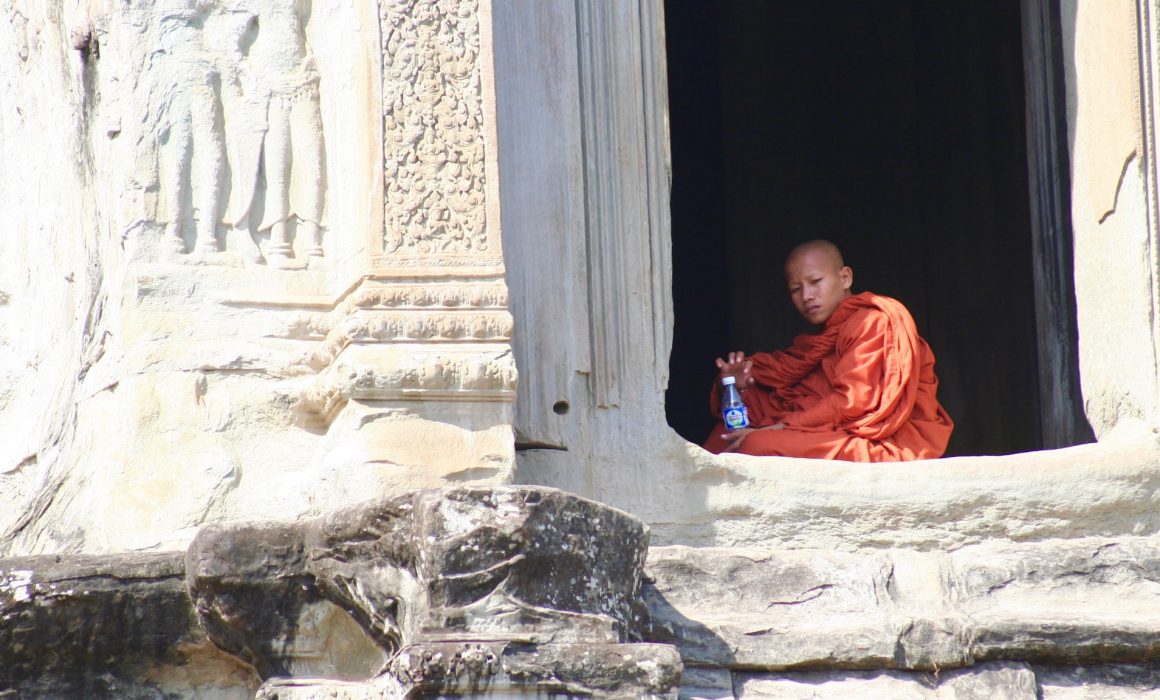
<point>862,389</point>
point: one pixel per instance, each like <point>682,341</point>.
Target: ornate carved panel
<point>435,138</point>
<point>390,340</point>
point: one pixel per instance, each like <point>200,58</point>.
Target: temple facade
<point>338,358</point>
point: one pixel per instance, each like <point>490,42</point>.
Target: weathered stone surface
<point>505,563</point>
<point>983,682</point>
<point>792,609</point>
<point>107,627</point>
<point>256,600</point>
<point>1067,602</point>
<point>283,393</point>
<point>532,562</point>
<point>1109,489</point>
<point>320,689</point>
<point>1086,600</point>
<point>701,683</point>
<point>305,600</point>
<point>1102,682</point>
<point>505,669</point>
<point>600,670</point>
<point>1112,128</point>
<point>168,359</point>
<point>534,585</point>
<point>191,296</point>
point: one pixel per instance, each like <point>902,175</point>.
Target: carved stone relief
<point>434,171</point>
<point>190,149</point>
<point>220,104</point>
<point>226,133</point>
<point>278,139</point>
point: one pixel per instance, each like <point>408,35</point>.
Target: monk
<point>861,389</point>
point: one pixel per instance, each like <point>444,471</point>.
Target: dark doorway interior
<point>895,129</point>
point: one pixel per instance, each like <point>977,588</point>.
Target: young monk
<point>861,389</point>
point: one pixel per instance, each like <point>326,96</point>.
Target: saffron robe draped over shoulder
<point>862,389</point>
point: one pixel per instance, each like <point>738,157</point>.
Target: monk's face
<point>818,283</point>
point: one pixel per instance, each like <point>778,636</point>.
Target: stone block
<point>750,608</point>
<point>509,563</point>
<point>1090,600</point>
<point>993,681</point>
<point>107,627</point>
<point>1099,682</point>
<point>506,670</point>
<point>1084,601</point>
<point>706,683</point>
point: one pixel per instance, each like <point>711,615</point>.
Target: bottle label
<point>736,417</point>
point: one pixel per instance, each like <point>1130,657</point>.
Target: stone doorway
<point>897,130</point>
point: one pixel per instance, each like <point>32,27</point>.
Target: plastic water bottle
<point>733,410</point>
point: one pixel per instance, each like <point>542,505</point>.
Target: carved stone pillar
<point>428,325</point>
<point>423,339</point>
<point>430,320</point>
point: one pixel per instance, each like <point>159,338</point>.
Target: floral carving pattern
<point>480,295</point>
<point>428,327</point>
<point>433,141</point>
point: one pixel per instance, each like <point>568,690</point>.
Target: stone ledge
<point>1067,602</point>
<point>983,682</point>
<point>490,580</point>
<point>1106,489</point>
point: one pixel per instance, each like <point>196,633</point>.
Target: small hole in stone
<point>560,408</point>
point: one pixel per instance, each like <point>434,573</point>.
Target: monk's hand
<point>736,365</point>
<point>734,438</point>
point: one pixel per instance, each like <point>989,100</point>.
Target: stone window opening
<point>596,201</point>
<point>898,131</point>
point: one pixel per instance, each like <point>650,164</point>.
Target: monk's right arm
<point>759,399</point>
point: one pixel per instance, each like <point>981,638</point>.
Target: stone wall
<point>258,277</point>
<point>1109,63</point>
<point>518,592</point>
<point>236,290</point>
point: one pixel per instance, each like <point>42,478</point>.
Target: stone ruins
<point>334,341</point>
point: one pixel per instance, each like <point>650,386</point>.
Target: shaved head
<point>818,279</point>
<point>819,246</point>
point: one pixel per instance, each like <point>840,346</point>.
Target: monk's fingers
<point>720,363</point>
<point>734,438</point>
<point>746,380</point>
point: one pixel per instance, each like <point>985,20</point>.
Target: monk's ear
<point>847,277</point>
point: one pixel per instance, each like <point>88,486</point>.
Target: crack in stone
<point>804,596</point>
<point>1119,187</point>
